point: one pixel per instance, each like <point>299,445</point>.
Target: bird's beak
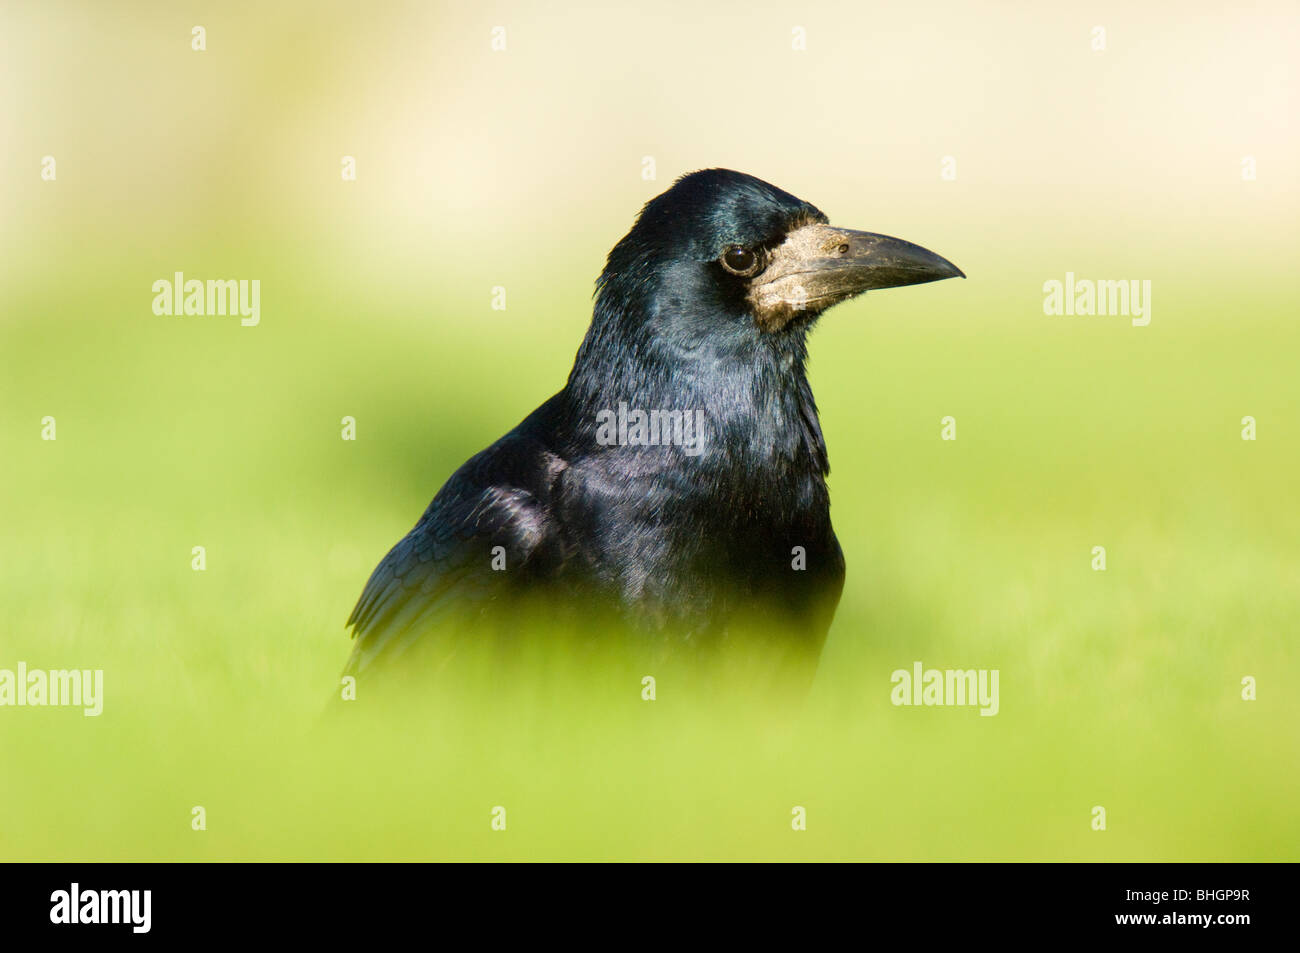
<point>820,265</point>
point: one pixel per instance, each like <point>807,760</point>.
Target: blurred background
<point>998,135</point>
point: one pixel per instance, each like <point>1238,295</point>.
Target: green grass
<point>1119,689</point>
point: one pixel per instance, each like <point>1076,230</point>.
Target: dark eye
<point>739,261</point>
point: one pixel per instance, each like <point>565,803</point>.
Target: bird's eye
<point>739,261</point>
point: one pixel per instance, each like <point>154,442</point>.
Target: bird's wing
<point>441,571</point>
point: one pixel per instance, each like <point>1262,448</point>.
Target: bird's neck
<point>749,395</point>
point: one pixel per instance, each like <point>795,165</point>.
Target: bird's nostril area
<point>844,248</point>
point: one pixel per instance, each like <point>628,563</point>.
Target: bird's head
<point>707,301</point>
<point>725,253</point>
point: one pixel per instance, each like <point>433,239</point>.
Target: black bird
<point>678,479</point>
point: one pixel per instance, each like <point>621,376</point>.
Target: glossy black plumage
<point>687,549</point>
